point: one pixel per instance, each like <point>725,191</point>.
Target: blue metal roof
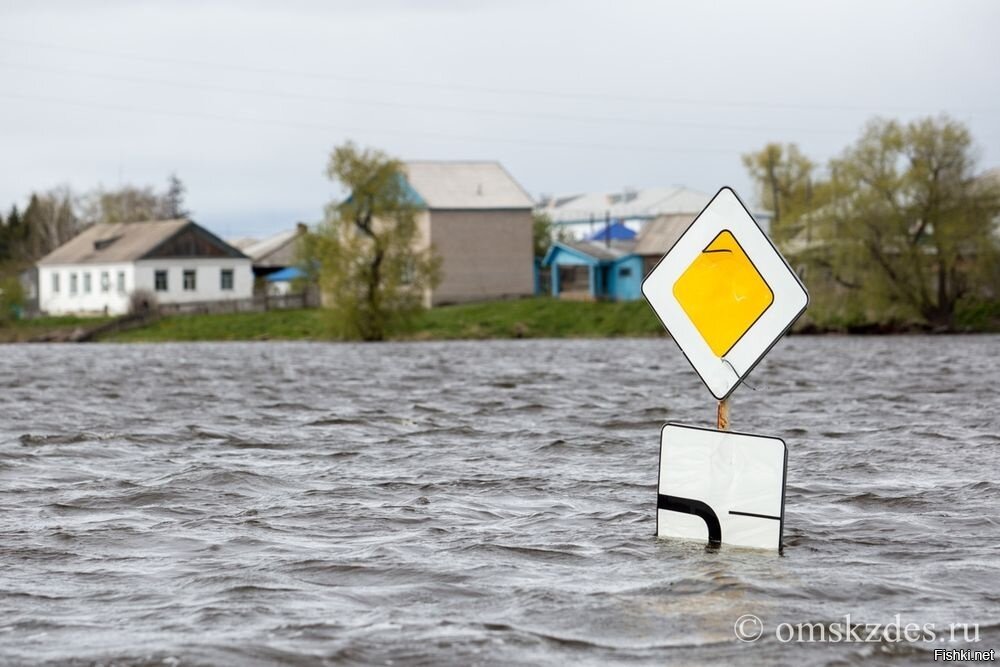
<point>616,232</point>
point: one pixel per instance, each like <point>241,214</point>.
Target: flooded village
<point>499,333</point>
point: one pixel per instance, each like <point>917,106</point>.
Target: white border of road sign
<point>723,375</point>
<point>721,486</point>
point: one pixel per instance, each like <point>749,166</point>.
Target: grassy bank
<point>19,331</point>
<point>524,318</point>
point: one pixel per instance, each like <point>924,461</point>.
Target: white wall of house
<point>207,278</point>
<point>100,288</point>
<point>85,288</point>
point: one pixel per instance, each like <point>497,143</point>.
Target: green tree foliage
<point>374,267</point>
<point>47,223</point>
<point>908,200</point>
<point>11,298</point>
<point>784,178</point>
<point>173,199</point>
<point>541,229</point>
<point>901,228</point>
<point>4,240</point>
<point>12,234</point>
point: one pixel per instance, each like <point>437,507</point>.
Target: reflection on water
<point>481,502</point>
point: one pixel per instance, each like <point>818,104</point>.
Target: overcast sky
<point>245,100</point>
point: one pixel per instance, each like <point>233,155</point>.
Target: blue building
<point>588,270</point>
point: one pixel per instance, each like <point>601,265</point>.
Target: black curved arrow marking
<point>696,507</point>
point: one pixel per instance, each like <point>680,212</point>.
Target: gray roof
<point>599,250</point>
<point>121,242</point>
<point>466,185</point>
<point>275,251</point>
<point>630,204</point>
<point>660,234</point>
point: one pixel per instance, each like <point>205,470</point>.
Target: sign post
<point>726,296</point>
<point>722,415</point>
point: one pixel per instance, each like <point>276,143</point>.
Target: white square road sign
<point>720,486</point>
<point>725,293</point>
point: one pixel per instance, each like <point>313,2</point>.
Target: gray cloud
<point>245,100</point>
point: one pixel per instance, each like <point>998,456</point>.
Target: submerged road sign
<point>725,293</point>
<point>724,487</point>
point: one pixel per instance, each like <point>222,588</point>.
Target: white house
<point>177,260</point>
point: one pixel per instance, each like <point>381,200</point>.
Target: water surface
<point>479,502</point>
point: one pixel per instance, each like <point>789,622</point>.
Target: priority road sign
<point>725,293</point>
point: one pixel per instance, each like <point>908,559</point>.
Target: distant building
<point>478,220</point>
<point>583,216</point>
<point>282,282</point>
<point>275,253</point>
<point>590,270</point>
<point>176,260</point>
<point>611,269</point>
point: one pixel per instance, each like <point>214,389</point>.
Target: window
<point>105,281</point>
<point>55,283</point>
<point>160,281</point>
<point>72,283</point>
<point>86,282</point>
<point>625,272</point>
<point>121,282</point>
<point>189,282</point>
<point>226,278</point>
<point>407,274</point>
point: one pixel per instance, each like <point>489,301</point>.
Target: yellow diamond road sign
<point>725,293</point>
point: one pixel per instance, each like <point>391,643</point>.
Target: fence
<point>256,304</point>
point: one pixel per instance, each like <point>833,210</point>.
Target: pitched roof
<point>598,251</point>
<point>276,250</point>
<point>616,232</point>
<point>660,234</point>
<point>466,185</point>
<point>645,204</point>
<point>121,242</point>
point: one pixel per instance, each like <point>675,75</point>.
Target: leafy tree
<point>11,298</point>
<point>909,219</point>
<point>541,232</point>
<point>784,178</point>
<point>374,267</point>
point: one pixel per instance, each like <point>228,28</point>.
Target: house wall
<point>64,301</point>
<point>208,278</point>
<point>140,275</point>
<point>485,254</point>
<point>572,276</point>
<point>625,279</point>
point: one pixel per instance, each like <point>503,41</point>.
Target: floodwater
<point>482,503</point>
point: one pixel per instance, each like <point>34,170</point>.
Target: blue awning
<point>289,273</point>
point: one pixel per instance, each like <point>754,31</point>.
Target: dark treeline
<point>54,216</point>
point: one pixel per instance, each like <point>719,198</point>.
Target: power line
<point>495,90</point>
<point>646,148</point>
<point>621,121</point>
